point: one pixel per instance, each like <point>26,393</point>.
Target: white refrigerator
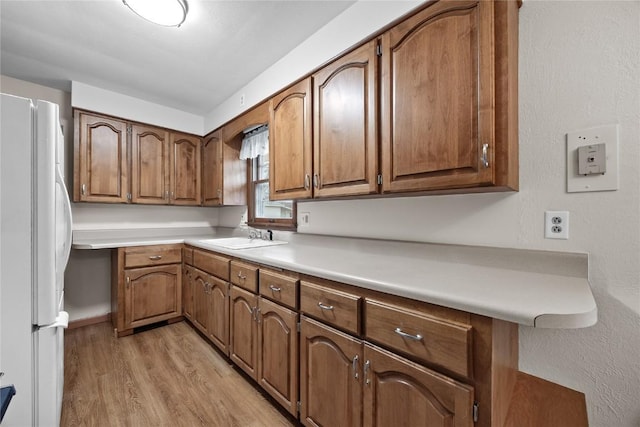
<point>35,217</point>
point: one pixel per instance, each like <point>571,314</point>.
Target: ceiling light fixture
<point>169,13</point>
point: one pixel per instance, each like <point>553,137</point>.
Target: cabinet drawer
<point>278,287</point>
<point>187,256</point>
<point>139,256</point>
<point>244,275</point>
<point>431,339</point>
<point>338,308</point>
<point>212,264</point>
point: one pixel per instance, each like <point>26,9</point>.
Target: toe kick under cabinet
<point>146,286</point>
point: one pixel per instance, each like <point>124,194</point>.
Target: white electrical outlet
<point>556,225</point>
<point>303,219</point>
<point>242,100</point>
<point>605,137</point>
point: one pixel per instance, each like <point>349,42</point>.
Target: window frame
<point>289,224</point>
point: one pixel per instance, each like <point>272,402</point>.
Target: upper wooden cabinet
<point>100,171</point>
<point>149,165</point>
<point>290,149</point>
<point>184,169</point>
<point>345,146</point>
<point>449,103</point>
<point>224,175</point>
<point>116,161</point>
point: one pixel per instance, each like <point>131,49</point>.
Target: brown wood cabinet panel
<point>100,159</point>
<point>184,169</point>
<point>431,339</point>
<point>243,344</point>
<point>290,144</point>
<point>149,165</point>
<point>211,263</point>
<point>398,392</point>
<point>187,255</point>
<point>217,294</point>
<point>278,287</point>
<point>244,275</point>
<point>152,294</point>
<point>200,302</point>
<point>224,175</point>
<point>345,145</point>
<point>438,99</point>
<point>278,353</point>
<point>212,169</point>
<point>330,371</point>
<point>139,256</point>
<point>335,307</point>
<point>187,291</point>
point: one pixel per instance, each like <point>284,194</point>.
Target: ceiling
<point>221,46</point>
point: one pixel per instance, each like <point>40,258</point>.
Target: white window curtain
<point>255,143</point>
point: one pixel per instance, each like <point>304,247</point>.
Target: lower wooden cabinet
<point>278,353</point>
<point>330,376</point>
<point>398,392</point>
<point>211,308</point>
<point>243,346</point>
<point>146,286</point>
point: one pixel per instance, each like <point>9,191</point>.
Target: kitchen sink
<point>242,242</point>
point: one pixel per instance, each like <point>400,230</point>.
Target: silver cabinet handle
<point>367,365</point>
<point>354,366</point>
<point>240,276</point>
<point>166,194</point>
<point>325,307</point>
<point>84,189</point>
<point>274,288</point>
<point>173,196</point>
<point>155,257</point>
<point>316,180</point>
<point>307,181</point>
<point>403,334</point>
<point>485,155</point>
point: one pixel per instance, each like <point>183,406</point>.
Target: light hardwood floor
<point>167,376</point>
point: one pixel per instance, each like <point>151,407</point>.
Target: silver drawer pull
<point>274,288</point>
<point>240,276</point>
<point>325,307</point>
<point>403,334</point>
<point>354,366</point>
<point>155,257</point>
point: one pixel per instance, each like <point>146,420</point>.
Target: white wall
<point>116,104</point>
<point>579,68</point>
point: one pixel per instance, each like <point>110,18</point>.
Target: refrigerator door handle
<point>62,321</point>
<point>67,212</point>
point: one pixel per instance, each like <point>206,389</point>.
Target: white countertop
<point>533,288</point>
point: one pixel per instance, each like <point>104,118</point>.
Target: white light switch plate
<point>607,135</point>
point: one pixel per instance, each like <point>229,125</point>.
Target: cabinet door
<point>150,165</point>
<point>438,99</point>
<point>100,159</point>
<point>330,371</point>
<point>345,153</point>
<point>398,392</point>
<point>243,345</point>
<point>200,301</point>
<point>290,149</point>
<point>187,292</point>
<point>212,169</point>
<point>278,353</point>
<point>218,313</point>
<point>152,294</point>
<point>185,169</point>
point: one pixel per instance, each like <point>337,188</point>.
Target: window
<point>262,211</point>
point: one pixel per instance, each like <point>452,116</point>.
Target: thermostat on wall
<point>592,159</point>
